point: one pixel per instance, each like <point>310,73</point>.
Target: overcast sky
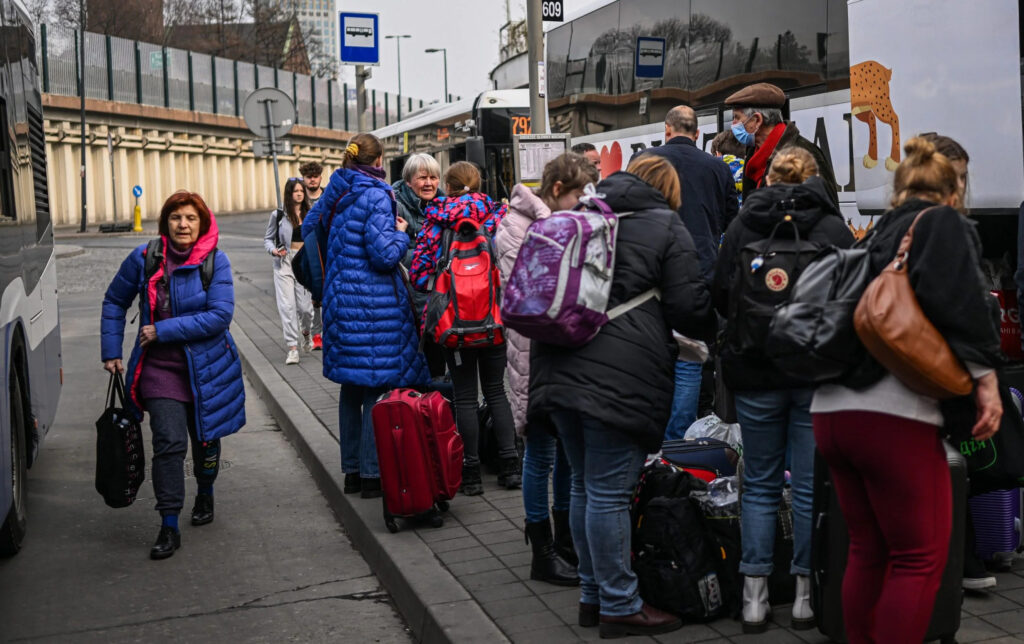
<point>468,28</point>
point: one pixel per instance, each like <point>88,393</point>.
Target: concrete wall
<point>164,150</point>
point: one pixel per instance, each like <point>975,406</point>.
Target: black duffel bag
<point>120,454</point>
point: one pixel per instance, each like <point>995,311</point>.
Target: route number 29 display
<point>552,11</point>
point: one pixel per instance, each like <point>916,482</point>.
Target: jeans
<point>543,455</point>
<point>488,363</point>
<point>605,467</point>
<point>173,425</point>
<point>684,400</point>
<point>358,446</point>
<point>894,489</point>
<point>771,422</point>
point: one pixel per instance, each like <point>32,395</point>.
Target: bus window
<point>837,46</point>
<point>592,52</point>
<point>7,212</point>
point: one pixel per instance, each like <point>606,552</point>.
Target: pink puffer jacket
<point>524,208</point>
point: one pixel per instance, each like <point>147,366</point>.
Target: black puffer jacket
<point>944,271</point>
<point>624,376</point>
<point>818,221</point>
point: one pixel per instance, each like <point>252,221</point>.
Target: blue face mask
<point>740,132</point>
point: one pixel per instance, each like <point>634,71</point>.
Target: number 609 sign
<point>552,10</point>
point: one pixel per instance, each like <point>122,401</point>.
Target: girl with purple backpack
<point>554,559</point>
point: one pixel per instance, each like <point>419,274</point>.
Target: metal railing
<point>130,71</point>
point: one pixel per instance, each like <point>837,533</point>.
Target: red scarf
<point>758,163</point>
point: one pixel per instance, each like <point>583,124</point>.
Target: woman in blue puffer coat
<point>184,368</point>
<point>370,336</point>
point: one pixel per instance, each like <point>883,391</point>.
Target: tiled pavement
<point>481,544</point>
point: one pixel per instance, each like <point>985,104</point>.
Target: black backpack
<point>155,252</point>
<point>765,273</point>
<point>677,561</point>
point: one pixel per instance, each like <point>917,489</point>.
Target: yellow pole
<point>138,218</point>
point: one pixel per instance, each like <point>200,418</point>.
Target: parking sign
<point>360,42</point>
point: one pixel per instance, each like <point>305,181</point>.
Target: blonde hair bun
<point>792,165</point>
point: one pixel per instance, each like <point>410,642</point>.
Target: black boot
<point>167,542</point>
<point>511,476</point>
<point>547,565</point>
<point>563,537</point>
<point>202,511</point>
<point>472,484</point>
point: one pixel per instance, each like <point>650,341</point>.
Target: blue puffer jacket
<point>200,324</point>
<point>370,336</point>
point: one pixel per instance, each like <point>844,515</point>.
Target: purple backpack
<point>558,290</point>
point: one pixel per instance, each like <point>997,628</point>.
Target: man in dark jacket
<point>758,124</point>
<point>709,195</point>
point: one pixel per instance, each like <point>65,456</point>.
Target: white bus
<point>943,66</point>
<point>29,324</point>
<point>448,131</point>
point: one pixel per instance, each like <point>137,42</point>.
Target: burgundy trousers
<point>892,480</point>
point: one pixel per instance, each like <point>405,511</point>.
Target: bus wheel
<point>13,530</point>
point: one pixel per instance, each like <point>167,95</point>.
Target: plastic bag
<point>721,499</point>
<point>714,427</point>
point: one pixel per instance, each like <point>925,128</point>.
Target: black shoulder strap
<point>153,256</point>
<point>206,268</point>
<point>153,252</point>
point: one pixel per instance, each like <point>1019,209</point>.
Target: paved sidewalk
<point>469,580</point>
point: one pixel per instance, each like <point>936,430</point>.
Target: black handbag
<point>120,453</point>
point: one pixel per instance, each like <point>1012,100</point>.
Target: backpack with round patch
<point>765,273</point>
<point>464,309</point>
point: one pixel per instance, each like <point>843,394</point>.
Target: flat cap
<point>758,95</point>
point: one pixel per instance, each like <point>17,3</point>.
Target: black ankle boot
<point>472,484</point>
<point>546,564</point>
<point>563,537</point>
<point>167,542</point>
<point>511,476</point>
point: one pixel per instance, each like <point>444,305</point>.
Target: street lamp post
<point>398,42</point>
<point>443,50</point>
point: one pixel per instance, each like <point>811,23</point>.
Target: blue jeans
<point>605,467</point>
<point>358,447</point>
<point>544,455</point>
<point>684,400</point>
<point>772,421</point>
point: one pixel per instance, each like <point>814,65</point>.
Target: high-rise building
<point>319,20</point>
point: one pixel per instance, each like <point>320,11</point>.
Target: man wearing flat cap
<point>757,123</point>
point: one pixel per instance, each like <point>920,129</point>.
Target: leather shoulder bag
<point>891,324</point>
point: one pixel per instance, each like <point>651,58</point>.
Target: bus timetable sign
<point>360,42</point>
<point>650,57</point>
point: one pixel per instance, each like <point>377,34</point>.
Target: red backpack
<point>464,309</point>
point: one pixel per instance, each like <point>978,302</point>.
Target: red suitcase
<point>420,455</point>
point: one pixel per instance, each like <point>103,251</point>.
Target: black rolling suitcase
<point>830,541</point>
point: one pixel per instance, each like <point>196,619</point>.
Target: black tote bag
<point>120,454</point>
<point>996,463</point>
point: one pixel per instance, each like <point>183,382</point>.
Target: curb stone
<point>438,609</point>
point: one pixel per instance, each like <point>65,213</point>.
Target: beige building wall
<point>164,150</point>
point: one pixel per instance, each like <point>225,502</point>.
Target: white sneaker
<point>978,583</point>
<point>293,357</point>
<point>307,344</point>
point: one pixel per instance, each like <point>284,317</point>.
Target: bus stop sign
<point>360,41</point>
<point>650,57</point>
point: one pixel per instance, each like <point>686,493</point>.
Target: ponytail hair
<point>792,165</point>
<point>362,149</point>
<point>925,173</point>
<point>462,178</point>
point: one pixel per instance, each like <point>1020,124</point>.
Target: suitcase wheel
<point>391,524</point>
<point>442,506</point>
<point>436,521</point>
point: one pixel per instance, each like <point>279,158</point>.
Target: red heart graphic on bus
<point>611,160</point>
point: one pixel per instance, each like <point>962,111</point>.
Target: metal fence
<point>130,71</point>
